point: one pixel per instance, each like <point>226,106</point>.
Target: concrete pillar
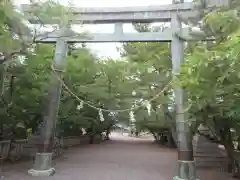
<point>186,164</point>
<point>43,159</point>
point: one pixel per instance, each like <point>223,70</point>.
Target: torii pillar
<point>186,164</point>
<point>43,159</point>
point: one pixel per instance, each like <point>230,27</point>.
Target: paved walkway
<point>122,158</point>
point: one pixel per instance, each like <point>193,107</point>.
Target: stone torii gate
<point>118,16</point>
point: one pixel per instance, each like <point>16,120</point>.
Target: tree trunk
<point>107,134</point>
<point>238,146</point>
<point>91,139</point>
<point>1,132</point>
<point>3,77</point>
<point>226,139</point>
<point>154,135</point>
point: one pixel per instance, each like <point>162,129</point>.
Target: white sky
<point>107,49</point>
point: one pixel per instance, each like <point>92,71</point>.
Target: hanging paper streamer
<point>80,106</point>
<point>111,114</point>
<point>84,131</point>
<point>134,93</point>
<point>150,70</point>
<point>101,115</point>
<point>131,116</point>
<point>148,106</point>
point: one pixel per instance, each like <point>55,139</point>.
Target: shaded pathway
<point>122,158</point>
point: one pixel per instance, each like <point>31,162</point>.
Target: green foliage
<point>49,11</point>
<point>215,70</point>
<point>152,63</point>
<point>210,78</point>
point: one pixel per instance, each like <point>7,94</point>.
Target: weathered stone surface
<point>41,173</point>
<point>42,165</point>
<point>43,161</point>
<point>186,171</point>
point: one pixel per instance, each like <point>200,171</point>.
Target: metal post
<point>186,164</point>
<point>43,159</point>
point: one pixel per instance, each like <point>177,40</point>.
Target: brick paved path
<point>122,158</point>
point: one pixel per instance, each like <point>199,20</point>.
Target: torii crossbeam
<point>145,14</point>
<point>118,36</point>
<point>118,16</point>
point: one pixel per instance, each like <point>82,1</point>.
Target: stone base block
<point>41,173</point>
<point>186,171</point>
<point>178,178</point>
<point>42,165</point>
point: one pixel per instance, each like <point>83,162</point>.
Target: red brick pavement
<point>122,158</point>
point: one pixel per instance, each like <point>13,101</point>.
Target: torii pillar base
<point>186,171</point>
<point>42,165</point>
